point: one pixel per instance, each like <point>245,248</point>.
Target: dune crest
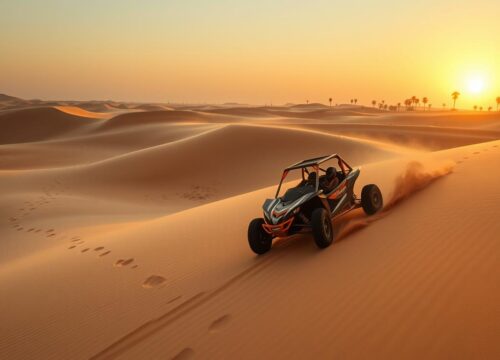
<point>75,110</point>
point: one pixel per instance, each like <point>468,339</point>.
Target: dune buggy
<point>320,196</point>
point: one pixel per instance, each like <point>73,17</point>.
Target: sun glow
<point>475,84</point>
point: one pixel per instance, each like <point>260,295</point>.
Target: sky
<point>257,52</point>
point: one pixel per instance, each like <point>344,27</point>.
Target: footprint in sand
<point>123,262</point>
<point>476,153</point>
<point>198,193</point>
<point>186,353</point>
<point>99,248</point>
<point>219,323</point>
<point>30,230</point>
<point>72,247</point>
<point>85,250</point>
<point>134,266</point>
<point>153,281</point>
<point>105,253</point>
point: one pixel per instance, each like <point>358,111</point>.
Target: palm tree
<point>374,102</point>
<point>430,105</point>
<point>413,99</point>
<point>330,100</point>
<point>454,96</point>
<point>399,105</point>
<point>480,108</point>
<point>417,101</point>
<point>489,108</point>
<point>307,101</point>
<point>475,107</point>
<point>444,106</point>
<point>408,103</point>
<point>425,100</point>
<point>498,102</point>
<point>355,101</point>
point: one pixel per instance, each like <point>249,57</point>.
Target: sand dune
<point>416,136</point>
<point>10,102</point>
<point>190,165</point>
<point>77,111</point>
<point>220,162</point>
<point>152,107</point>
<point>470,119</point>
<point>126,237</point>
<point>312,106</point>
<point>5,98</point>
<point>244,112</point>
<point>151,117</point>
<point>28,125</point>
<point>381,285</point>
<point>94,145</point>
<point>311,111</point>
<point>99,106</point>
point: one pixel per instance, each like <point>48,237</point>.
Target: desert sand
<point>123,234</point>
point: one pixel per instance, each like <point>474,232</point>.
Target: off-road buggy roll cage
<point>315,164</point>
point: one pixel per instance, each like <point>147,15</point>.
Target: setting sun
<point>475,84</point>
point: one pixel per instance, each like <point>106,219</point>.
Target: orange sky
<point>250,51</point>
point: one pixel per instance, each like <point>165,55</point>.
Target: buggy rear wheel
<point>371,199</point>
<point>322,228</point>
<point>260,242</point>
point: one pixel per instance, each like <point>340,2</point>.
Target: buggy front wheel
<point>260,242</point>
<point>322,228</point>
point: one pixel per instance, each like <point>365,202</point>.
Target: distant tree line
<point>413,103</point>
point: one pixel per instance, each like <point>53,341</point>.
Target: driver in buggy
<point>329,181</point>
<point>310,181</point>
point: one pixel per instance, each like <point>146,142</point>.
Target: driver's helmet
<point>331,172</point>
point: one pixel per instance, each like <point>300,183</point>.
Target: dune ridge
<point>80,112</point>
